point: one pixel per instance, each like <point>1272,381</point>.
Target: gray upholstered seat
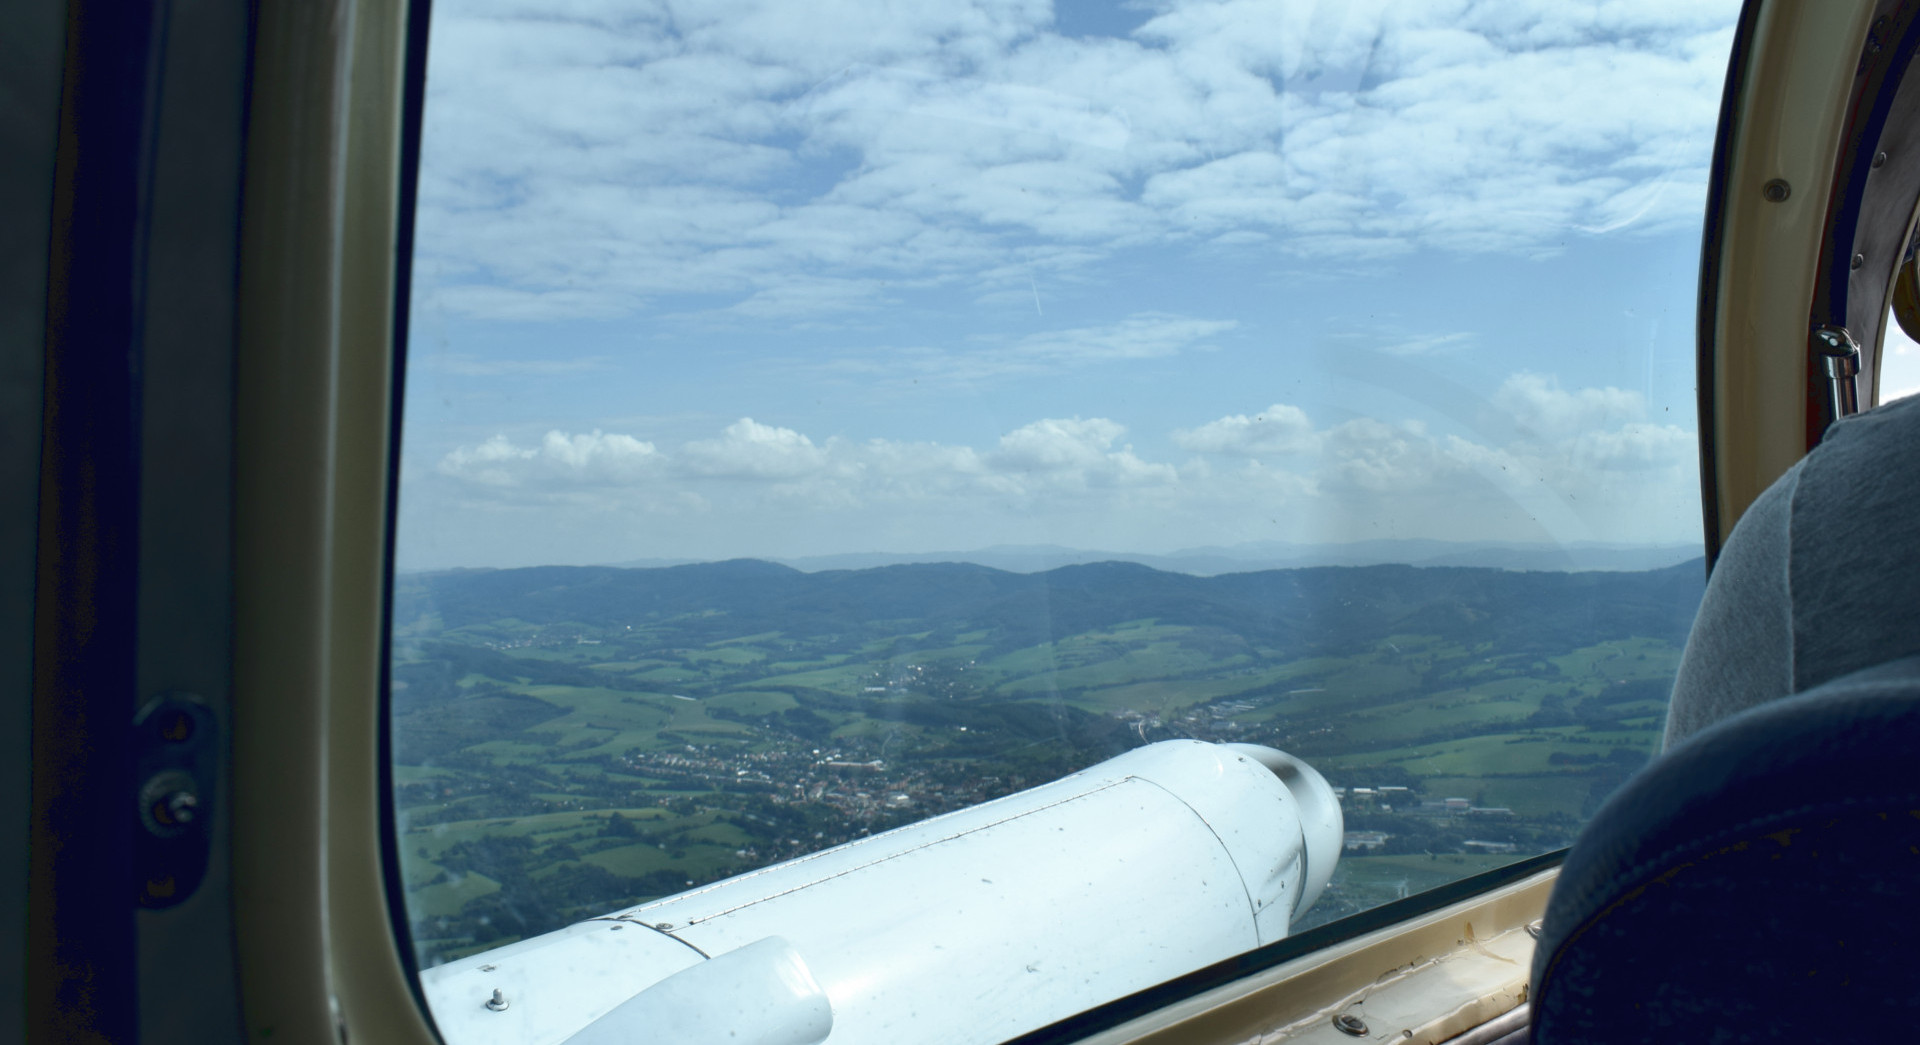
<point>1820,578</point>
<point>1761,880</point>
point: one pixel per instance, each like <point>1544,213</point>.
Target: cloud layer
<point>748,211</point>
<point>775,160</point>
<point>1583,464</point>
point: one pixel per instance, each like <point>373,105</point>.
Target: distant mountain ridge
<point>1320,607</point>
<point>1268,555</point>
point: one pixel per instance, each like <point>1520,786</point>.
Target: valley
<point>568,741</point>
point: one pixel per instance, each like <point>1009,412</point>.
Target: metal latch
<point>1842,355</point>
<point>176,740</point>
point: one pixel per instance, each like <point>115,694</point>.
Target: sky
<point>740,278</point>
<point>1899,363</point>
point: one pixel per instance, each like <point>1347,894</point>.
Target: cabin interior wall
<point>1789,125</point>
<point>30,65</point>
<point>187,973</point>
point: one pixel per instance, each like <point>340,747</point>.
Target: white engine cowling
<point>972,927</point>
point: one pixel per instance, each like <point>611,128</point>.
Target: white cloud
<point>801,298</point>
<point>1280,429</point>
<point>601,456</point>
<point>587,459</point>
<point>1141,336</point>
<point>1052,457</point>
<point>495,462</point>
<point>1144,335</point>
<point>1388,459</point>
<point>1420,346</point>
<point>1076,454</point>
<point>603,159</point>
<point>1538,404</point>
<point>864,102</point>
<point>748,449</point>
<point>1635,447</point>
<point>1057,445</point>
<point>1613,475</point>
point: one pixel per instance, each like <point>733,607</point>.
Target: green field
<point>555,764</point>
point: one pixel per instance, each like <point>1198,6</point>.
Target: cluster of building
<point>855,786</point>
<point>1394,799</point>
<point>1402,800</point>
<point>940,679</point>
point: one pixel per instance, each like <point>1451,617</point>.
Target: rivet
<point>1879,159</point>
<point>1859,260</point>
<point>1347,1023</point>
<point>663,926</point>
<point>1776,191</point>
<point>498,1002</point>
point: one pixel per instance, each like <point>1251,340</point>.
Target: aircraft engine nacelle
<point>972,927</point>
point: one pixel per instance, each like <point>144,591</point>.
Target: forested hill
<point>736,714</point>
<point>1300,610</point>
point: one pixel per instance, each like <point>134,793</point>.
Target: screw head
<point>176,809</point>
<point>1348,1023</point>
<point>169,803</point>
<point>1879,158</point>
<point>1858,260</point>
<point>1776,191</point>
<point>1533,929</point>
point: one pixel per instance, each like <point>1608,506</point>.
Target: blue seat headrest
<point>1760,881</point>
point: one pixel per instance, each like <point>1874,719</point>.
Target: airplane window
<point>825,417</point>
<point>1899,362</point>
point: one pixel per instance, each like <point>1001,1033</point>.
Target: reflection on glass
<point>822,417</point>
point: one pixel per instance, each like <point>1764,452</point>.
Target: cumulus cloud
<point>1383,458</point>
<point>1048,457</point>
<point>1538,404</point>
<point>592,458</point>
<point>1057,445</point>
<point>607,457</point>
<point>1278,430</point>
<point>597,159</point>
<point>748,449</point>
<point>1077,453</point>
<point>1616,475</point>
<point>495,462</point>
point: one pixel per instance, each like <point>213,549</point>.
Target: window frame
<point>382,210</point>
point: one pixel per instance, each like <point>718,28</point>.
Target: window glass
<point>1899,362</point>
<point>825,416</point>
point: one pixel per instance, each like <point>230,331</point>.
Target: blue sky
<point>720,279</point>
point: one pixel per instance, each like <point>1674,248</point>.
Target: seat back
<point>1760,881</point>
